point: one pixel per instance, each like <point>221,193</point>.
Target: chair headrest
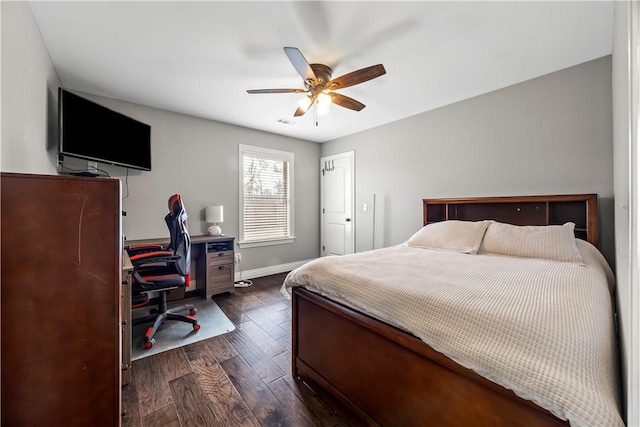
<point>176,207</point>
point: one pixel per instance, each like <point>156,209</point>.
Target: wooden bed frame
<point>388,377</point>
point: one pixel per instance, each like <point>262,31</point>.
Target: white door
<point>337,187</point>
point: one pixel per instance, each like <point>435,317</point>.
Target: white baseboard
<point>267,271</point>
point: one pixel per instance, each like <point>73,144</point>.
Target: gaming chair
<point>160,269</point>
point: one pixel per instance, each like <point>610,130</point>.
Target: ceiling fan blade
<point>300,64</point>
<point>355,77</point>
<point>345,101</point>
<point>276,90</point>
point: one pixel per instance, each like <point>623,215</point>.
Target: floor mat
<point>173,334</point>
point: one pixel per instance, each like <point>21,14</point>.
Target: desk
<point>212,262</point>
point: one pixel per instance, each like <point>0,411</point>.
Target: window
<point>266,196</point>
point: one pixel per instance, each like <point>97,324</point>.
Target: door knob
<point>348,219</point>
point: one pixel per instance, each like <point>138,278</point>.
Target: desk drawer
<point>220,279</point>
<point>220,273</point>
<point>219,258</point>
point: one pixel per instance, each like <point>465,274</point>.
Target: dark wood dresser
<point>61,300</point>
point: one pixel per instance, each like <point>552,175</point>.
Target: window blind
<point>265,196</point>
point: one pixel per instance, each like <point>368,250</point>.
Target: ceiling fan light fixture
<point>322,110</point>
<point>323,102</point>
<point>305,103</point>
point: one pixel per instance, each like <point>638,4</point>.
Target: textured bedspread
<point>543,329</point>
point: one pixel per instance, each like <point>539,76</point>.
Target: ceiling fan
<point>320,87</point>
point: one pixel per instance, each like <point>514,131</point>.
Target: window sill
<point>270,242</point>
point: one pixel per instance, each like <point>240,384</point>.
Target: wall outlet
<point>92,167</point>
<point>238,256</point>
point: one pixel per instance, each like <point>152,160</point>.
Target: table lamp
<point>214,215</point>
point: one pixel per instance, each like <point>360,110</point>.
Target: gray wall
<point>550,135</point>
<point>29,95</point>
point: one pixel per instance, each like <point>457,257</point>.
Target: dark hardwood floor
<point>242,378</point>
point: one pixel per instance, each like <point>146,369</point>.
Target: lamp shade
<point>214,214</point>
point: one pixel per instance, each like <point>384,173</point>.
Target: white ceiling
<point>199,58</point>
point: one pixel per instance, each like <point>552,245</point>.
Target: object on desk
<point>214,215</point>
<point>162,269</point>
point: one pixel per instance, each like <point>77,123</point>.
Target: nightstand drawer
<point>219,258</point>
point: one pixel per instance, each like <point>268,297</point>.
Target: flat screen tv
<point>93,132</point>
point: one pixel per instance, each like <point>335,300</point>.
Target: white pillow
<point>553,242</point>
<point>457,236</point>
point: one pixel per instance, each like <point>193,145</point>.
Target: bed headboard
<point>581,209</point>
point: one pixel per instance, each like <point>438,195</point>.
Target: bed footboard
<point>388,377</point>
